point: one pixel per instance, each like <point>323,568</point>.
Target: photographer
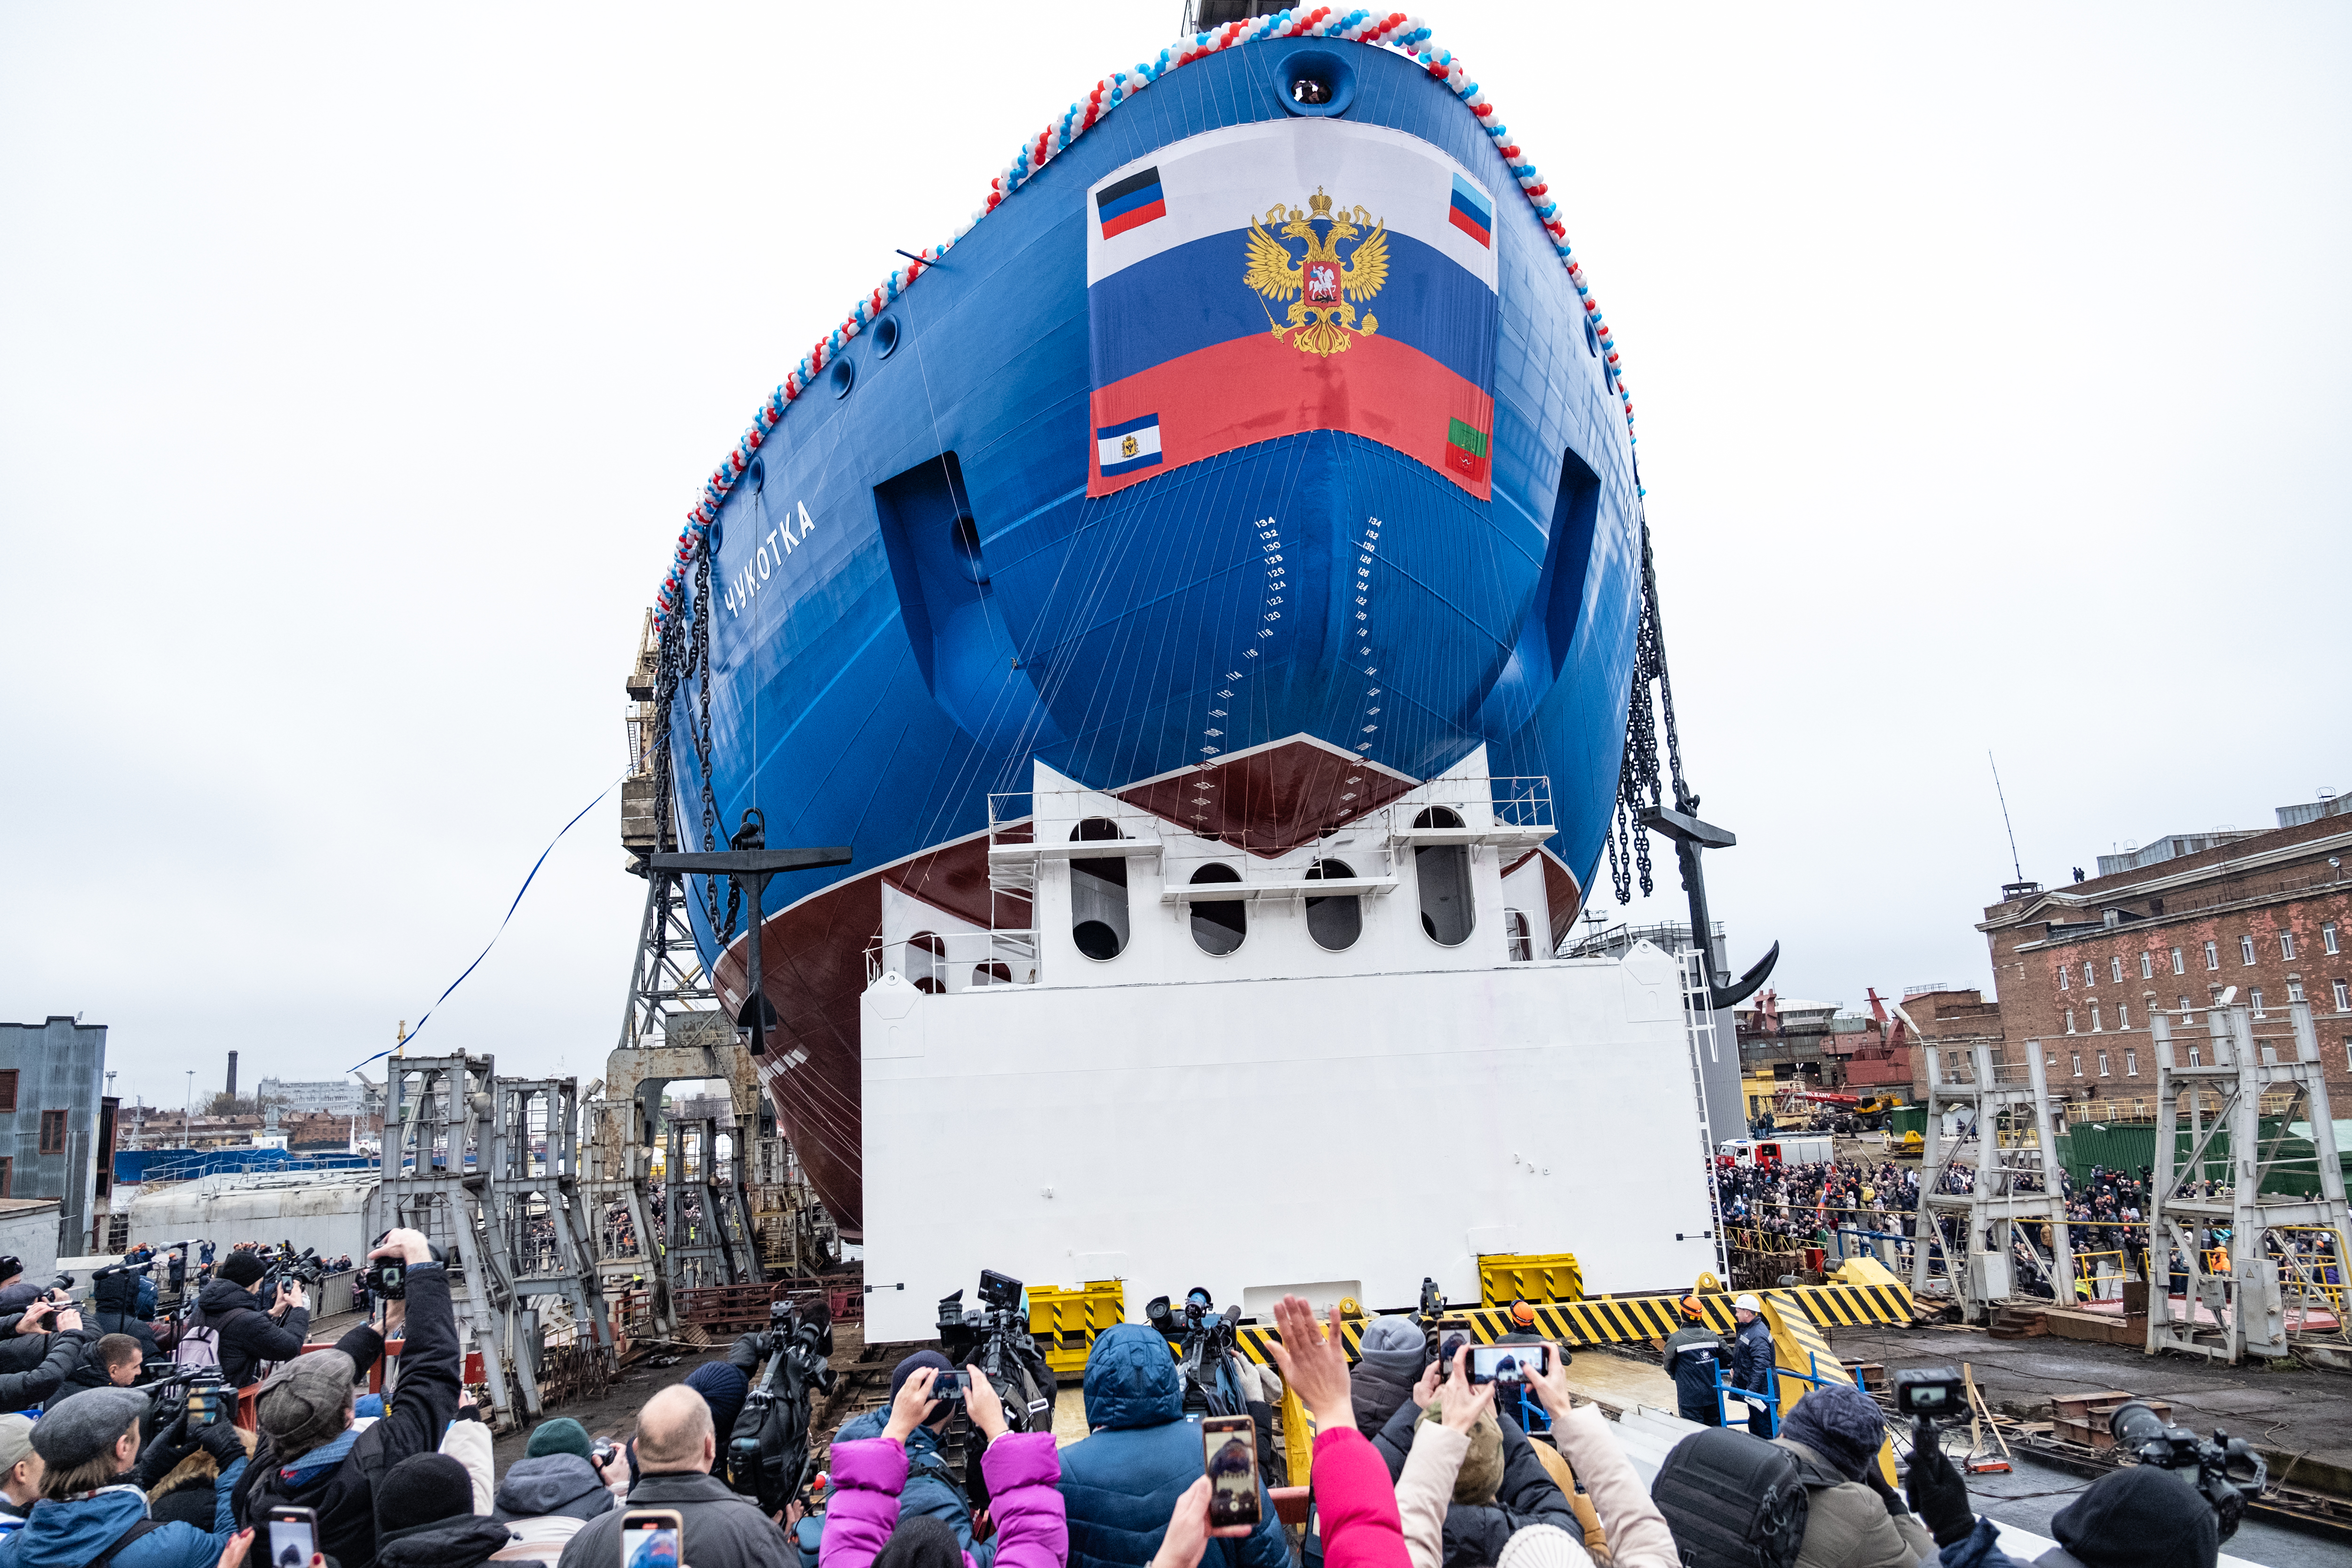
<point>89,1450</point>
<point>248,1336</point>
<point>866,1517</point>
<point>930,1491</point>
<point>309,1455</point>
<point>1122,1483</point>
<point>114,1308</point>
<point>52,1342</point>
<point>2143,1517</point>
<point>16,1292</point>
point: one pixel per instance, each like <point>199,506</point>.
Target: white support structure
<point>2230,1316</point>
<point>2014,1181</point>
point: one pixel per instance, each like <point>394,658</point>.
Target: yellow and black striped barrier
<point>1629,1319</point>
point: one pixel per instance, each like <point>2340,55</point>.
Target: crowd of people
<point>1415,1463</point>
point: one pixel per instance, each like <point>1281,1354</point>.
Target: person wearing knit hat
<point>1543,1546</point>
<point>1836,1431</point>
<point>90,1450</point>
<point>724,1389</point>
<point>929,1490</point>
<point>312,1457</point>
<point>561,1435</point>
<point>1389,1359</point>
<point>251,1331</point>
<point>424,1518</point>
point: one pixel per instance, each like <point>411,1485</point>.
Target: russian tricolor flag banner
<point>1308,274</point>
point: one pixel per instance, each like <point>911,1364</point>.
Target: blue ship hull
<point>879,667</point>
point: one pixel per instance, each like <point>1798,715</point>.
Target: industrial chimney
<point>231,1075</point>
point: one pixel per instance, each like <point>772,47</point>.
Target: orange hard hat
<point>1690,1306</point>
<point>1522,1315</point>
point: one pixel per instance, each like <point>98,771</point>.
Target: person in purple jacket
<point>1023,1472</point>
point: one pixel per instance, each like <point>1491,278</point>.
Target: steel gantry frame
<point>1999,1196</point>
<point>458,1165</point>
<point>2243,1312</point>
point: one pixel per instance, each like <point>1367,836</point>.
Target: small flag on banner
<point>1123,448</point>
<point>1465,450</point>
<point>1471,212</point>
<point>1130,202</point>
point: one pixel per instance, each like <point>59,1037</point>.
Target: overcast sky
<point>358,365</point>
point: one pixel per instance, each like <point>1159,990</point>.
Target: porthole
<point>1219,925</point>
<point>755,478</point>
<point>1442,872</point>
<point>997,973</point>
<point>1337,921</point>
<point>842,375</point>
<point>1098,893</point>
<point>1592,339</point>
<point>886,337</point>
<point>927,962</point>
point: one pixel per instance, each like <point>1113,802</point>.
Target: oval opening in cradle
<point>1315,82</point>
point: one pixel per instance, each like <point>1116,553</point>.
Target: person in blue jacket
<point>1694,1354</point>
<point>93,1504</point>
<point>930,1489</point>
<point>1752,1363</point>
<point>1120,1484</point>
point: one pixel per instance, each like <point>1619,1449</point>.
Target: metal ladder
<point>1698,1024</point>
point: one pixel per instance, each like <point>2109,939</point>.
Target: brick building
<point>1954,1021</point>
<point>2173,928</point>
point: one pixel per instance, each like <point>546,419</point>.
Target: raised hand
<point>1314,1365</point>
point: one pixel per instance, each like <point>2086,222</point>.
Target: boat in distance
<point>1258,459</point>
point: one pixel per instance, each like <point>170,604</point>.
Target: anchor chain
<point>1639,784</point>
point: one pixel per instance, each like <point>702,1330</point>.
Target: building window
<point>1098,893</point>
<point>2177,967</point>
<point>2131,1064</point>
<point>2213,955</point>
<point>2343,998</point>
<point>1442,872</point>
<point>1220,925</point>
<point>2286,945</point>
<point>2102,1066</point>
<point>2196,1054</point>
<point>2328,936</point>
<point>2294,990</point>
<point>2095,1025</point>
<point>2147,966</point>
<point>2065,978</point>
<point>2090,975</point>
<point>2187,1015</point>
<point>2257,994</point>
<point>8,1090</point>
<point>1336,923</point>
<point>53,1131</point>
<point>2123,1014</point>
<point>2116,969</point>
<point>2070,1020</point>
<point>1516,943</point>
<point>2078,1064</point>
<point>2245,950</point>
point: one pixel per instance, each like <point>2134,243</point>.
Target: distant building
<point>1954,1022</point>
<point>2269,915</point>
<point>57,1125</point>
<point>335,1096</point>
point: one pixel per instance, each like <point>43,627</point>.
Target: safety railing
<point>952,963</point>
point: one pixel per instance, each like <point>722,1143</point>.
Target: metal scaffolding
<point>486,1168</point>
<point>2014,1180</point>
<point>2241,1058</point>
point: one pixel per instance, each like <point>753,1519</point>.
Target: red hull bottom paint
<point>1256,389</point>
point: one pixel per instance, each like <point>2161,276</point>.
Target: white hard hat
<point>1748,1303</point>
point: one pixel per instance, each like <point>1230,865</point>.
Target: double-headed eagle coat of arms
<point>1321,289</point>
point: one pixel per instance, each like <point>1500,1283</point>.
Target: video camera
<point>200,1393</point>
<point>768,1449</point>
<point>1204,1342</point>
<point>995,1338</point>
<point>2145,1435</point>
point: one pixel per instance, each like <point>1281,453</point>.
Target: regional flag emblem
<point>1231,283</point>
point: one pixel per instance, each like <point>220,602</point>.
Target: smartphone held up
<point>293,1537</point>
<point>1509,1363</point>
<point>652,1538</point>
<point>1229,1452</point>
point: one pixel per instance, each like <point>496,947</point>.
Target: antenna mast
<point>2014,864</point>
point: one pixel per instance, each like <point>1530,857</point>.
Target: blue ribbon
<point>502,924</point>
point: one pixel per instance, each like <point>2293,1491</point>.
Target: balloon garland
<point>1392,30</point>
